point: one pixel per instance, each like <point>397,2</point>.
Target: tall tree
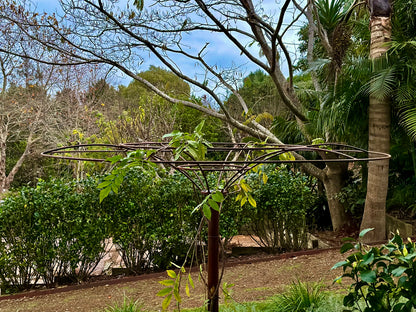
<point>378,127</point>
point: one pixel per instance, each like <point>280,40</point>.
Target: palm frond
<point>408,121</point>
<point>381,84</point>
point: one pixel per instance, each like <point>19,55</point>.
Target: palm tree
<point>378,127</point>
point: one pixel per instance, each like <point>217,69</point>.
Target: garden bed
<point>255,278</point>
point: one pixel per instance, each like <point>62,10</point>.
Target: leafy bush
<point>152,220</point>
<point>54,231</point>
<point>384,278</point>
<point>402,197</point>
<point>279,218</point>
<point>352,196</point>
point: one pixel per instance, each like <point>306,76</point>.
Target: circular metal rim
<point>272,150</point>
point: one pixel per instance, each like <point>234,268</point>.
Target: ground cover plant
<point>383,278</point>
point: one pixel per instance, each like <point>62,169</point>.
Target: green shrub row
<point>57,230</point>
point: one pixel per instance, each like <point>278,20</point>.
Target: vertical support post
<point>213,261</point>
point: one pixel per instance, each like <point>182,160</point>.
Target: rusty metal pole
<point>213,260</point>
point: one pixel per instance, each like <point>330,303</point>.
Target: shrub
<point>279,218</point>
<point>54,231</point>
<point>152,220</point>
<point>384,279</point>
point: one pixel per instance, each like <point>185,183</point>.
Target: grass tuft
<point>300,297</point>
<point>128,305</point>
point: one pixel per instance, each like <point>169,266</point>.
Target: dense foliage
<point>58,230</point>
<point>53,231</point>
<point>278,221</point>
<point>383,278</point>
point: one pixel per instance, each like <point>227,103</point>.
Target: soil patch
<point>255,277</point>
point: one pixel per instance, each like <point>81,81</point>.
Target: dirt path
<point>256,279</point>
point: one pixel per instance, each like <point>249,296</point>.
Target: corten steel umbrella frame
<point>244,158</point>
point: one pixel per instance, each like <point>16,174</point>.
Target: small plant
<point>384,279</point>
<point>300,297</point>
<point>128,305</point>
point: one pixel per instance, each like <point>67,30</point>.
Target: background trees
<point>164,29</point>
<point>271,104</point>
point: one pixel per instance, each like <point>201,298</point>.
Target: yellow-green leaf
<point>243,201</point>
<point>252,201</point>
<point>171,273</point>
<point>168,282</point>
<point>177,296</point>
<point>164,292</point>
<point>166,302</point>
<point>265,178</point>
<point>191,282</point>
<point>187,290</point>
<point>244,186</point>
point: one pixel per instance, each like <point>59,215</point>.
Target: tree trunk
<point>378,140</point>
<point>3,176</point>
<point>334,181</point>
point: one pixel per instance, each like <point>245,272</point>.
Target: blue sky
<point>220,51</point>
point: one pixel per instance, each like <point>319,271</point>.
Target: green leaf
<point>207,211</point>
<point>191,282</point>
<point>119,179</point>
<point>398,271</point>
<point>368,276</point>
<point>252,201</point>
<point>401,281</point>
<point>213,204</point>
<point>166,302</point>
<point>164,292</point>
<point>187,290</point>
<point>168,282</point>
<point>349,300</point>
<point>339,264</point>
<point>365,231</point>
<point>104,193</point>
<point>104,184</point>
<point>171,273</point>
<point>346,247</point>
<point>198,128</point>
<point>176,294</point>
<point>218,196</point>
<point>115,158</point>
<point>368,258</point>
<point>114,188</point>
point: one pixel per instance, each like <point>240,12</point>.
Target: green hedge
<point>57,230</point>
<point>278,222</point>
<point>53,231</point>
<point>152,221</point>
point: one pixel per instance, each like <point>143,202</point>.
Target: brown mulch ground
<point>255,278</point>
